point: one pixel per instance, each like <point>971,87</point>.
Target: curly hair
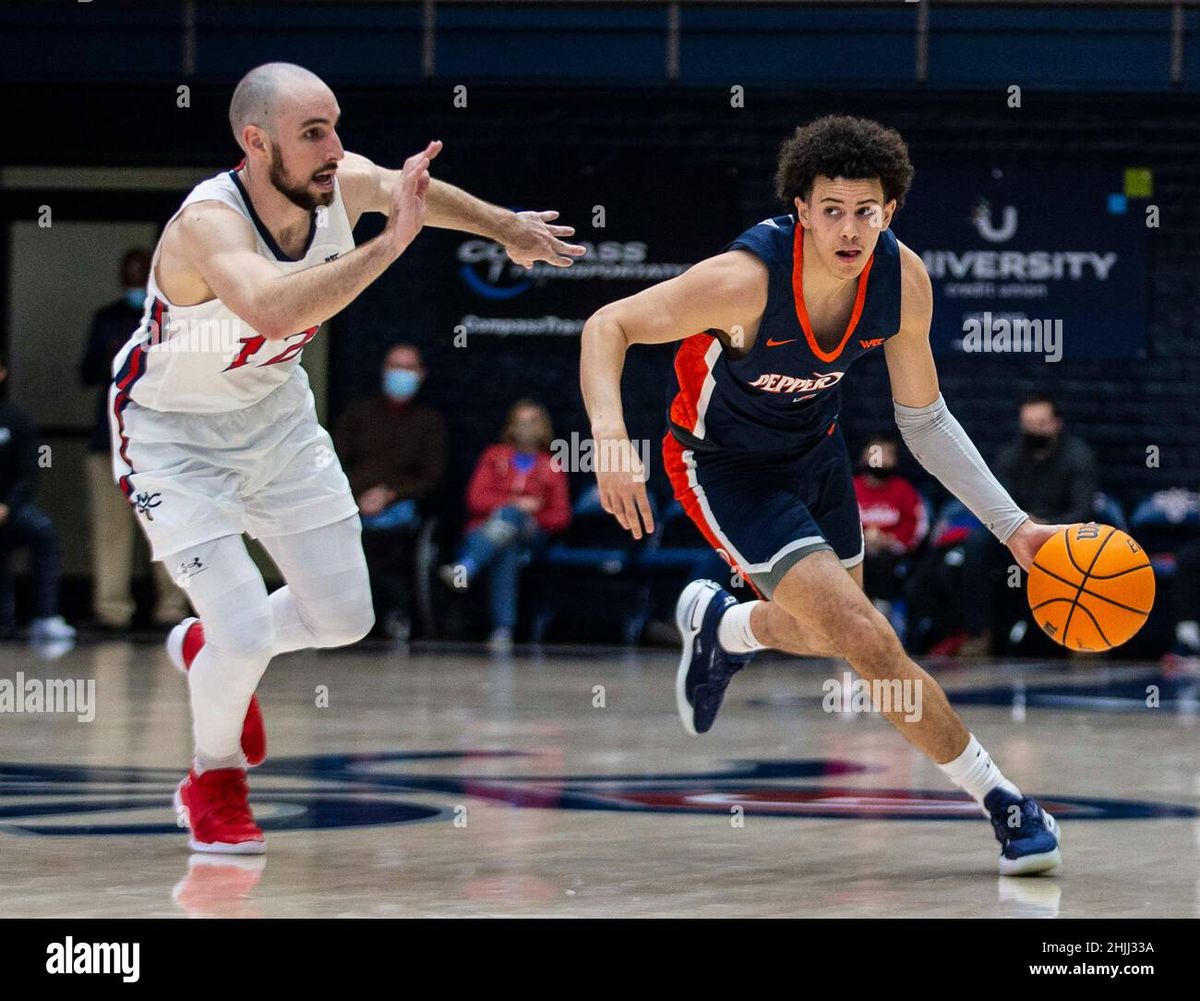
<point>842,146</point>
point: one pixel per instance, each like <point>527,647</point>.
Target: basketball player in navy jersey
<point>215,432</point>
<point>755,451</point>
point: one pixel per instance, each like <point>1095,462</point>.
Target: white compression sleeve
<point>942,447</point>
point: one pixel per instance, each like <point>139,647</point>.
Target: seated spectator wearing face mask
<point>112,516</point>
<point>1051,475</point>
<point>516,499</point>
<point>893,518</point>
<point>393,450</point>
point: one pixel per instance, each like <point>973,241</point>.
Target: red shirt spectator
<point>502,475</point>
<point>894,508</point>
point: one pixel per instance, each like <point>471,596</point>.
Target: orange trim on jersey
<point>690,370</point>
<point>677,473</point>
<point>802,310</point>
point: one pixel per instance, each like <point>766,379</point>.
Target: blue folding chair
<point>591,565</point>
<point>1163,522</point>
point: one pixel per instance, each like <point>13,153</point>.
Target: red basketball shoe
<point>215,806</point>
<point>183,643</point>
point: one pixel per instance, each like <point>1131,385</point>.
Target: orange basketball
<point>1091,587</point>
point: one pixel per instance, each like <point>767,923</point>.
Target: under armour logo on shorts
<point>188,569</point>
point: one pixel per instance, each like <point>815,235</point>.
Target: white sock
<point>1188,633</point>
<point>734,632</point>
<point>974,772</point>
<point>203,764</point>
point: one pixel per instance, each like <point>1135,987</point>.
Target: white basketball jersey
<point>205,358</point>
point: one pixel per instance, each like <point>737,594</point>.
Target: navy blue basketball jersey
<point>786,391</point>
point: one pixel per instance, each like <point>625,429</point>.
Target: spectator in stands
<point>1179,507</point>
<point>1185,591</point>
<point>1051,475</point>
<point>22,523</point>
<point>934,588</point>
<point>893,518</point>
<point>515,500</point>
<point>112,517</point>
<point>393,449</point>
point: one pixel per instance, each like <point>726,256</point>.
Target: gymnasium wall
<point>519,138</point>
<point>572,145</point>
<point>942,43</point>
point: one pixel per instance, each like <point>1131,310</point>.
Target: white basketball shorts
<point>268,469</point>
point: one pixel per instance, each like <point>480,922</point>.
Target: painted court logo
<point>335,791</point>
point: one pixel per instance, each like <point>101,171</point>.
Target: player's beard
<point>297,194</point>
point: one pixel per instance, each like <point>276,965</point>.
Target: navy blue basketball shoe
<point>704,668</point>
<point>1028,835</point>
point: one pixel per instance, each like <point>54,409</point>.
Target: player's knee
<point>864,636</point>
<point>344,623</point>
<point>360,622</point>
<point>251,650</point>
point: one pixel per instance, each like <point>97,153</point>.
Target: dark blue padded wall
<point>99,98</point>
<point>1066,47</point>
<point>1121,407</point>
<point>1058,46</point>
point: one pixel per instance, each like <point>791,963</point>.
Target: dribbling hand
<point>1029,538</point>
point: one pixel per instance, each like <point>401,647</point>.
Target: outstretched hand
<point>407,214</point>
<point>533,239</point>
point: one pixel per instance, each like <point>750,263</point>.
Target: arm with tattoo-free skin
<point>220,245</point>
<point>527,237</point>
<point>726,293</point>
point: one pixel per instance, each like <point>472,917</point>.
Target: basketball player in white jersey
<point>214,427</point>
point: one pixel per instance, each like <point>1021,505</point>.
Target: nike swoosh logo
<point>775,344</point>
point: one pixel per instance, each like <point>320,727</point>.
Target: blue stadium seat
<point>677,543</point>
<point>1109,512</point>
<point>954,522</point>
<point>593,564</point>
<point>1163,522</point>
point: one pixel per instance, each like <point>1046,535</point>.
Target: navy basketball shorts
<point>764,514</point>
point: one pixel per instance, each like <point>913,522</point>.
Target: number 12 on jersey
<point>251,346</point>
